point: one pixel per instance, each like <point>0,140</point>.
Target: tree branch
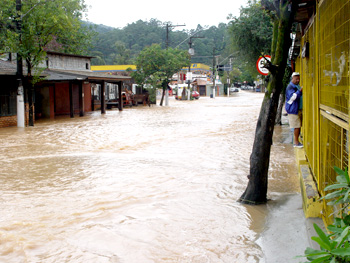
<point>268,65</point>
<point>268,5</point>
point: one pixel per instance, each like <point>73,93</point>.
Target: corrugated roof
<point>8,68</point>
<point>67,55</point>
<point>81,75</point>
<point>58,76</point>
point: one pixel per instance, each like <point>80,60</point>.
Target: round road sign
<point>261,63</point>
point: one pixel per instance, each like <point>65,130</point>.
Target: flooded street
<point>148,184</point>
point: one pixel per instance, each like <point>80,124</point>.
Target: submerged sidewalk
<point>287,231</point>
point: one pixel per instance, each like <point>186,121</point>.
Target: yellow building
<point>195,67</point>
<point>112,68</point>
<point>323,63</point>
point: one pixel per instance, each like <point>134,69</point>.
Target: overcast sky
<point>191,13</point>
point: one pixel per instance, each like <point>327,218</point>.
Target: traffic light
<point>220,67</point>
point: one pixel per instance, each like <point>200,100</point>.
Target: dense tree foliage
<point>45,25</point>
<point>6,22</point>
<point>30,28</point>
<point>233,75</point>
<point>251,36</point>
<point>156,66</point>
<point>216,41</point>
<point>136,36</point>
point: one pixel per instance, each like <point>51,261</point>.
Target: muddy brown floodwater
<point>149,184</point>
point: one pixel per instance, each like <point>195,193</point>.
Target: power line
<point>203,56</point>
<point>229,56</point>
<point>167,33</point>
<point>191,36</point>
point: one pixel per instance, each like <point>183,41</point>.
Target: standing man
<point>293,94</point>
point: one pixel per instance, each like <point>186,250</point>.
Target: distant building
<point>68,86</point>
<point>200,75</point>
<point>121,69</point>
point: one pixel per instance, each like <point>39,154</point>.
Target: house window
<point>87,66</point>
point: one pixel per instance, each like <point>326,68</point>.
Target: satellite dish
<point>191,51</point>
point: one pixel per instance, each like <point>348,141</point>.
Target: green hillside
<point>121,46</point>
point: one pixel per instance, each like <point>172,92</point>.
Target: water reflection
<point>155,184</point>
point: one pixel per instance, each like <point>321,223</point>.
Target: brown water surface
<point>149,184</point>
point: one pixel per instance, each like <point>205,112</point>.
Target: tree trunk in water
<point>31,104</point>
<point>256,191</point>
<point>162,99</point>
<point>286,80</point>
<point>30,93</point>
<point>280,109</point>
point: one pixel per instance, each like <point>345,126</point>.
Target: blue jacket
<point>293,95</point>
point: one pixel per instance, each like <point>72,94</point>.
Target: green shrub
<point>334,247</point>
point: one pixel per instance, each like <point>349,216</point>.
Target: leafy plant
<point>45,25</point>
<point>331,250</point>
<point>342,187</point>
<point>334,247</point>
<point>156,66</point>
<point>250,34</point>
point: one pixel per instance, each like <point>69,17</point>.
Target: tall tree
<point>286,79</point>
<point>156,66</point>
<point>6,22</point>
<point>41,25</point>
<point>283,14</point>
<point>43,22</point>
<point>251,35</point>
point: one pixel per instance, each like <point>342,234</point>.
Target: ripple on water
<point>149,184</point>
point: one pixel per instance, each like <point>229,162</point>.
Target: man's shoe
<point>299,145</point>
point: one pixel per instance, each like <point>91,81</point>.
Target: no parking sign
<point>261,63</point>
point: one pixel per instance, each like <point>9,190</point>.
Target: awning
<point>61,75</point>
<point>8,68</point>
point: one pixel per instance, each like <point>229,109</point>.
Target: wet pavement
<point>148,184</point>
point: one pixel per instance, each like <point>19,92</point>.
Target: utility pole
<point>213,95</point>
<point>168,26</point>
<point>166,46</point>
<point>228,78</point>
<point>19,73</point>
<point>167,36</point>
